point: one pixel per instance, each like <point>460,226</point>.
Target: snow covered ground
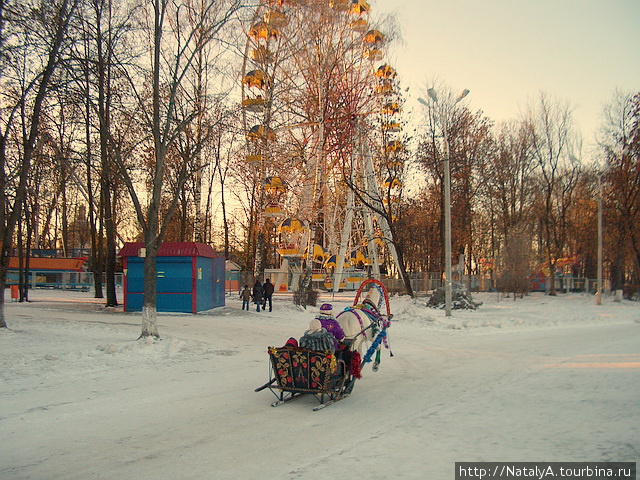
<point>538,379</point>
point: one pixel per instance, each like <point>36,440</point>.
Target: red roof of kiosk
<point>171,249</point>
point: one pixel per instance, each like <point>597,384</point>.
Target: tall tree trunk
<point>65,213</point>
<point>106,184</point>
<point>27,264</point>
<point>617,272</point>
<point>96,257</point>
<point>225,221</point>
<point>64,14</point>
<point>406,280</point>
<point>20,261</point>
<point>149,315</point>
<point>4,245</point>
<point>151,234</point>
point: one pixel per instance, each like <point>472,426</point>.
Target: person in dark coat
<point>258,291</point>
<point>268,294</point>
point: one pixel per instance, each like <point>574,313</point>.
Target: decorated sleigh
<point>328,376</point>
<point>331,376</point>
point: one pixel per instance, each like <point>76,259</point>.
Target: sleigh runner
<point>330,376</point>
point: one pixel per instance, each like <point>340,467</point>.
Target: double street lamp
<point>447,192</point>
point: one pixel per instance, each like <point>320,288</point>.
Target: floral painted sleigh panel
<point>297,371</point>
<point>302,370</point>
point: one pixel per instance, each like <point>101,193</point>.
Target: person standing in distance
<point>268,294</point>
<point>258,291</point>
<point>245,295</point>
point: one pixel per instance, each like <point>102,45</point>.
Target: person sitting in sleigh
<point>317,338</point>
<point>329,323</point>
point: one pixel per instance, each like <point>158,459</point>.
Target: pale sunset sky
<point>508,51</point>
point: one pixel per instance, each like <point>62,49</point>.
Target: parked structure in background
<point>51,272</point>
<point>191,277</point>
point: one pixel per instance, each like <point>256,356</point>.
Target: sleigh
<point>327,376</point>
<point>330,376</point>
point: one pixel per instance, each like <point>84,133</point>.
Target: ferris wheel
<point>311,84</point>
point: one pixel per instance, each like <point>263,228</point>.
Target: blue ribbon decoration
<point>374,346</point>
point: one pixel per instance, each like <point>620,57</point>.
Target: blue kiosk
<point>190,277</point>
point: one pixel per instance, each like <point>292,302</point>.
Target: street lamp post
<point>447,195</point>
<point>599,293</point>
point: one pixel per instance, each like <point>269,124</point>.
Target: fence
<point>427,282</point>
<point>235,281</point>
<point>421,283</point>
<point>61,279</point>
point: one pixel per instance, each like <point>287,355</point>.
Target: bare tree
<point>506,196</point>
<point>471,146</point>
<point>514,264</point>
<point>619,142</point>
<point>553,149</point>
<point>105,39</point>
<point>34,30</point>
<point>222,151</point>
<point>176,36</point>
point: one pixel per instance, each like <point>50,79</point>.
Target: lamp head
<point>464,93</point>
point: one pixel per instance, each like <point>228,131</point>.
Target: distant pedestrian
<point>245,295</point>
<point>258,291</point>
<point>268,294</point>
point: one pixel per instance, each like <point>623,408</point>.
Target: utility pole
<point>447,194</point>
<point>599,292</point>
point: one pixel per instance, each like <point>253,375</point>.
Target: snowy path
<point>477,402</point>
<point>80,399</point>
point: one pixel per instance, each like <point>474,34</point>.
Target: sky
<point>509,51</point>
